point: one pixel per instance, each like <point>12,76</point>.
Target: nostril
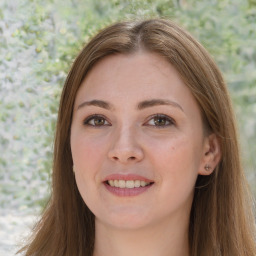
<point>129,158</point>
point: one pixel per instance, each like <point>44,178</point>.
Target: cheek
<point>175,161</point>
<point>171,152</point>
<point>88,156</point>
<point>87,152</point>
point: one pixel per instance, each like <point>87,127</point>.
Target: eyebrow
<point>97,103</point>
<point>157,102</point>
<point>141,105</point>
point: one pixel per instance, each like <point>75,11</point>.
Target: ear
<point>211,155</point>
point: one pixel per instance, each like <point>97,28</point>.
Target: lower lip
<point>127,191</point>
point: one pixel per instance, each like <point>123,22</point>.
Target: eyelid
<point>168,118</point>
<point>90,117</point>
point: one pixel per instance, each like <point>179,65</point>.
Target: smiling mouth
<point>128,183</point>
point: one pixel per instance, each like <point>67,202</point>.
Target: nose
<point>125,148</point>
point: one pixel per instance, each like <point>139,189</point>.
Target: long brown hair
<point>221,221</point>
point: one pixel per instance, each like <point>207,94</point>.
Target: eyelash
<point>94,116</point>
<point>162,116</point>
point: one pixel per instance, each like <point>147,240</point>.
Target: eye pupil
<point>160,121</point>
<point>99,121</point>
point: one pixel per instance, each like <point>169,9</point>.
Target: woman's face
<point>137,141</point>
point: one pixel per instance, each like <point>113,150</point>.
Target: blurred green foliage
<point>39,40</point>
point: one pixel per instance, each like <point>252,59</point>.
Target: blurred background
<point>39,40</point>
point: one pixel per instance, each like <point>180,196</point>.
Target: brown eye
<point>160,121</point>
<point>96,120</point>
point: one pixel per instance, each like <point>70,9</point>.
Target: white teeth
<point>116,183</point>
<point>128,183</point>
<point>122,184</point>
<point>143,183</point>
<point>111,183</point>
<point>137,183</point>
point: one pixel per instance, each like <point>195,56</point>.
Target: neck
<point>161,240</point>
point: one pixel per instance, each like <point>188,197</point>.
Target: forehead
<point>127,79</point>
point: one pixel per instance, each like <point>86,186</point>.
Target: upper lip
<point>126,177</point>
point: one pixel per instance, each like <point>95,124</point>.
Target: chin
<point>125,220</point>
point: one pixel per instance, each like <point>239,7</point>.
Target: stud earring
<point>207,167</point>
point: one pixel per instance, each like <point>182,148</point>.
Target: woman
<point>146,156</point>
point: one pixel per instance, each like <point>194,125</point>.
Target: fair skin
<point>138,135</point>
